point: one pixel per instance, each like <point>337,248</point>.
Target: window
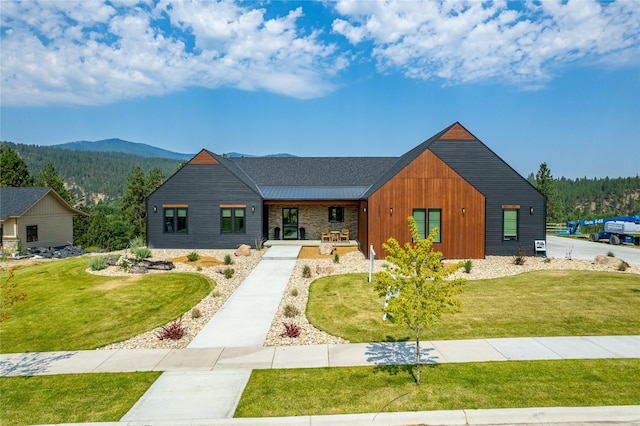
<point>510,223</point>
<point>32,233</point>
<point>435,222</point>
<point>420,216</point>
<point>175,220</point>
<point>232,220</point>
<point>336,214</point>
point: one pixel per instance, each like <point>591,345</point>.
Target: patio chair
<point>344,235</point>
<point>325,234</point>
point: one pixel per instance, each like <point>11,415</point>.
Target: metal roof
<point>313,192</point>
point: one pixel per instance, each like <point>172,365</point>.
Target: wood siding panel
<point>428,183</point>
<point>457,132</point>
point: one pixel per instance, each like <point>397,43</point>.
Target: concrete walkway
<point>202,384</point>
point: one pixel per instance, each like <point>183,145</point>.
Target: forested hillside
<point>91,176</point>
<point>586,198</point>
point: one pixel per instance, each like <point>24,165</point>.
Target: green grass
<point>541,303</point>
<point>70,398</point>
<point>68,309</point>
<point>517,384</point>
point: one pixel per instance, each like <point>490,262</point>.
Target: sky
<point>552,81</point>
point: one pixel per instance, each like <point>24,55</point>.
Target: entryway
<point>289,223</point>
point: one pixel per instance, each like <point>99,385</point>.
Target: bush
<point>290,330</point>
<point>195,313</point>
<point>622,266</point>
<point>306,271</point>
<point>228,260</point>
<point>97,263</point>
<point>520,258</point>
<point>215,292</point>
<point>610,254</point>
<point>193,256</point>
<point>467,266</point>
<point>547,260</point>
<point>141,252</point>
<point>291,311</point>
<point>228,273</point>
<point>336,258</point>
<point>172,331</point>
<point>294,292</point>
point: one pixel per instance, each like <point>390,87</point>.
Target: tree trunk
<point>417,356</point>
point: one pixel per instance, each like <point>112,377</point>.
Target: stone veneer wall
<point>314,218</point>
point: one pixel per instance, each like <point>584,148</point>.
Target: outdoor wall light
<point>531,210</point>
<point>253,209</point>
<point>390,210</point>
<point>364,209</point>
<point>463,211</point>
<point>155,209</point>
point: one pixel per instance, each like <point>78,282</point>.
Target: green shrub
<point>141,252</point>
<point>547,260</point>
<point>622,267</point>
<point>97,263</point>
<point>294,292</point>
<point>291,311</point>
<point>610,254</point>
<point>228,260</point>
<point>228,273</point>
<point>467,266</point>
<point>195,313</point>
<point>336,258</point>
<point>306,271</point>
<point>199,268</point>
<point>193,256</point>
<point>215,292</point>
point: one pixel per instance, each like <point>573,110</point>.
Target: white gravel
<point>491,267</point>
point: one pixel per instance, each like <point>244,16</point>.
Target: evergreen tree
<point>49,177</point>
<point>416,285</point>
<point>13,170</point>
<point>545,184</point>
<point>154,180</point>
<point>99,232</point>
<point>134,202</point>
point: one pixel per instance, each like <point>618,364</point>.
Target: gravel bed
<point>490,267</point>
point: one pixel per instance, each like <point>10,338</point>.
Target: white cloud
<point>461,41</point>
<point>89,52</point>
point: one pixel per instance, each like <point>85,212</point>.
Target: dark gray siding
<point>501,185</point>
<point>204,188</point>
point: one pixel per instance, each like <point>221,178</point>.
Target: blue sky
<point>536,81</point>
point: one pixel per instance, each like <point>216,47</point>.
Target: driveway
<point>560,247</point>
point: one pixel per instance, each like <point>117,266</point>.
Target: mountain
<point>119,145</point>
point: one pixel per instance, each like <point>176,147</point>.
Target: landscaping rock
<point>607,260</point>
<point>159,265</point>
<point>326,249</point>
<point>243,250</point>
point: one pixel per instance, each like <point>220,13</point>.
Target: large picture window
<point>435,221</point>
<point>336,214</point>
<point>510,224</point>
<point>32,233</point>
<point>420,216</point>
<point>232,220</point>
<point>176,220</point>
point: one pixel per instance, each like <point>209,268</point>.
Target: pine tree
<point>417,285</point>
<point>545,184</point>
<point>13,169</point>
<point>134,202</point>
<point>49,177</point>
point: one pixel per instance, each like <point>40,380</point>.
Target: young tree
<point>545,184</point>
<point>49,177</point>
<point>13,169</point>
<point>419,285</point>
<point>133,201</point>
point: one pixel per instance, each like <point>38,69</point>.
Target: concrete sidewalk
<point>316,356</point>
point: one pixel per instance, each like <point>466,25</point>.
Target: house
<point>34,217</point>
<point>451,181</point>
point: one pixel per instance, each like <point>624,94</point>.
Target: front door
<point>289,224</point>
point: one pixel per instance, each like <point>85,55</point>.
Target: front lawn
<point>71,398</point>
<point>515,384</point>
<point>541,303</point>
<point>67,308</point>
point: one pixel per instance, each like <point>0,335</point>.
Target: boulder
<point>324,270</point>
<point>607,260</point>
<point>326,249</point>
<point>243,250</point>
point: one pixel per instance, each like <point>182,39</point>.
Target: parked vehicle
<point>616,230</point>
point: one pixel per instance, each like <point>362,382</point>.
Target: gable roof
<point>14,202</point>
